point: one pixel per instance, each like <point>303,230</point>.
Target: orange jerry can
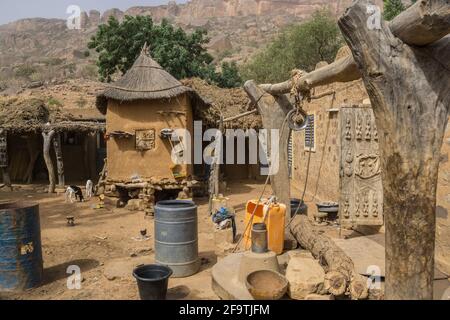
<point>275,214</point>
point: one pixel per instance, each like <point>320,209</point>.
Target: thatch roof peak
<point>146,80</point>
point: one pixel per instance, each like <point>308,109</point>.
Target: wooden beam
<point>342,70</point>
<point>4,157</point>
<point>422,24</point>
<point>245,114</point>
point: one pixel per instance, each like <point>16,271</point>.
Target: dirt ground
<point>103,245</point>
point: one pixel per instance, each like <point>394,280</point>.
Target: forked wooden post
<point>48,136</point>
<point>405,66</point>
<point>409,88</point>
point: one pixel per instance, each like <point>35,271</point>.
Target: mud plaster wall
<point>124,161</point>
<point>323,184</point>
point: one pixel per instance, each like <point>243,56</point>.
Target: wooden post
<point>4,157</point>
<point>217,164</point>
<point>86,154</point>
<point>48,136</point>
<point>59,159</point>
<point>273,111</point>
<point>411,116</point>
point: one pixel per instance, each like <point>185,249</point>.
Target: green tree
<point>298,46</point>
<point>119,44</point>
<point>393,8</point>
<point>229,77</point>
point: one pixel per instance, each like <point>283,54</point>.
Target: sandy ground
<point>103,245</point>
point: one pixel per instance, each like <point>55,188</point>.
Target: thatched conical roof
<point>146,80</point>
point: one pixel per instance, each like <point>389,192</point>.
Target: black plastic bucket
<point>152,281</point>
<point>295,203</point>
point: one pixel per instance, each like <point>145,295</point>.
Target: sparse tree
<point>229,77</point>
<point>298,46</point>
<point>392,8</point>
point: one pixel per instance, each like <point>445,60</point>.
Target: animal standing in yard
<point>89,189</point>
<point>73,193</point>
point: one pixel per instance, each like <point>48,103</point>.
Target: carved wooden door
<point>361,190</point>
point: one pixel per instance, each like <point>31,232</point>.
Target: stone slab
<point>368,251</point>
<point>225,281</point>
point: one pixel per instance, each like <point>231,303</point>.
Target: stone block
<point>305,276</point>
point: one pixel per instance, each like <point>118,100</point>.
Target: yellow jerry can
<point>273,215</point>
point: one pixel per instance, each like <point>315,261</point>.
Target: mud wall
<point>323,184</point>
<point>124,161</point>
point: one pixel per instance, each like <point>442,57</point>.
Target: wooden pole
<point>217,163</point>
<point>4,157</point>
<point>245,114</point>
<point>59,159</point>
<point>48,136</point>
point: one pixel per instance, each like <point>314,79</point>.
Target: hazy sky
<point>11,10</point>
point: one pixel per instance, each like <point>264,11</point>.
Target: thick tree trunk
<point>48,136</point>
<point>341,277</point>
<point>421,24</point>
<point>273,111</point>
<point>409,91</point>
<point>59,160</point>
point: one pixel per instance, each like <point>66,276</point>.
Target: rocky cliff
<point>45,49</point>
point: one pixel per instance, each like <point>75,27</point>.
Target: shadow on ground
<point>59,271</point>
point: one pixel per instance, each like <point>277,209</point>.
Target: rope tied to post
<point>298,118</point>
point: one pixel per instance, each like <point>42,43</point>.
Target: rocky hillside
<point>36,51</point>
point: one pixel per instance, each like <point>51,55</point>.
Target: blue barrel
<point>21,265</point>
<point>176,237</point>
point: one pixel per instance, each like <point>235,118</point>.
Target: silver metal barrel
<point>176,237</point>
